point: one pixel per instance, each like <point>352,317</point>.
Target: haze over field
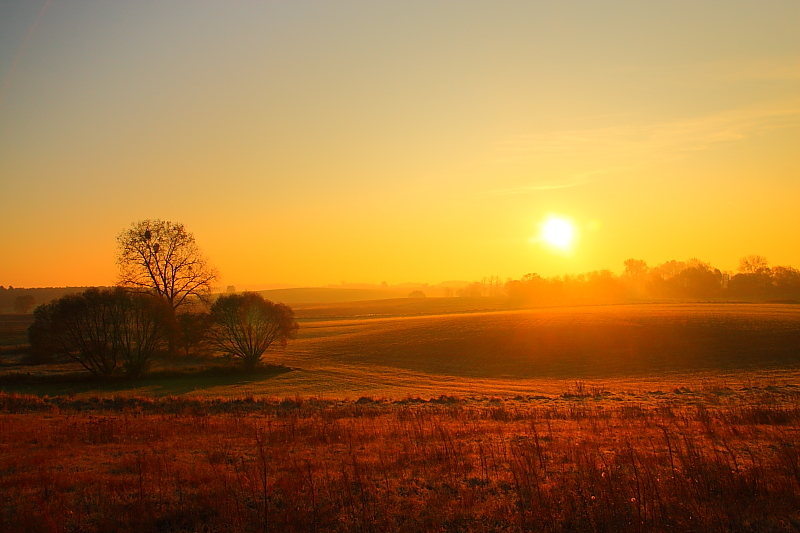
<point>313,143</point>
<point>401,266</point>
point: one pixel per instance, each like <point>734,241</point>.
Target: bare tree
<point>753,264</point>
<point>246,325</point>
<point>162,257</point>
<point>635,268</point>
<point>635,274</point>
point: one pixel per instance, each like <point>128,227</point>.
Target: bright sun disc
<point>558,232</point>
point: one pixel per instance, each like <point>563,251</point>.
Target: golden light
<point>558,232</point>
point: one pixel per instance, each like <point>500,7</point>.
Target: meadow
<point>716,459</point>
<point>399,347</point>
<point>439,415</point>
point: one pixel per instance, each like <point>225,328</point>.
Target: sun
<point>558,232</point>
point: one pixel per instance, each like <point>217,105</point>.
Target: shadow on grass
<point>157,384</point>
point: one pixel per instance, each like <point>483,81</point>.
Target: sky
<point>312,143</point>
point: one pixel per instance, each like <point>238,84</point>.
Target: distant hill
<point>321,295</point>
<point>41,295</point>
<point>400,307</point>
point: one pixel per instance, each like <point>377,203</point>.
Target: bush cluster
<point>104,330</point>
<point>101,329</point>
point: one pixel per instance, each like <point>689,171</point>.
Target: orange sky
<point>313,143</point>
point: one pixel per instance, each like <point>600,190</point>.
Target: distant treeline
<point>9,296</point>
<point>674,279</point>
<point>691,279</point>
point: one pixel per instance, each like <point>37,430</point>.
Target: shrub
<point>193,331</point>
<point>99,328</point>
<point>246,325</point>
<point>143,325</point>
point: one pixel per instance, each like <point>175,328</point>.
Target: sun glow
<point>558,232</point>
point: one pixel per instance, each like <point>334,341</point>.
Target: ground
<point>413,416</point>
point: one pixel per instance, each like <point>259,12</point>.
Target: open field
<point>14,329</point>
<point>341,353</point>
<point>394,416</point>
<point>565,341</point>
<point>397,307</point>
<point>716,460</point>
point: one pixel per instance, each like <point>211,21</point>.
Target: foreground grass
<point>717,459</point>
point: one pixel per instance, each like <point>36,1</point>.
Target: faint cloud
<point>20,51</point>
<point>660,139</point>
<point>727,70</point>
<point>575,180</point>
<point>542,186</point>
<point>773,68</point>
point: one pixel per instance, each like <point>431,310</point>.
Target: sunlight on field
<point>649,347</point>
<point>343,382</point>
<point>560,342</point>
<point>636,347</point>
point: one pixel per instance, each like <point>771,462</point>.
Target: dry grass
<point>646,418</point>
<point>716,459</point>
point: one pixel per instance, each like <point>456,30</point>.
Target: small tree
<point>246,325</point>
<point>787,281</point>
<point>193,330</point>
<point>41,334</point>
<point>636,271</point>
<point>753,264</point>
<point>143,325</point>
<point>100,328</point>
<point>80,326</point>
<point>473,290</point>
